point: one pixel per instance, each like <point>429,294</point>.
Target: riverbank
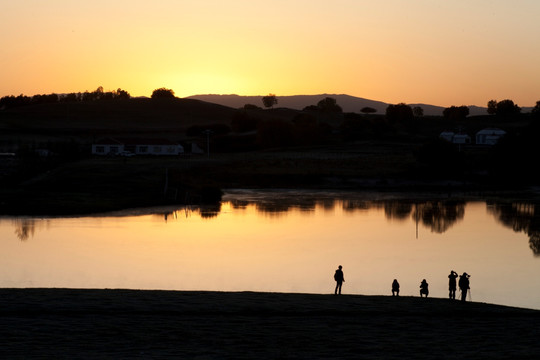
<point>103,184</point>
<point>120,324</point>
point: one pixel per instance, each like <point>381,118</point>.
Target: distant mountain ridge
<point>347,102</point>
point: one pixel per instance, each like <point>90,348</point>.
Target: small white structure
<point>454,138</point>
<point>461,139</point>
<point>111,146</point>
<point>447,135</point>
<point>489,136</point>
<point>107,146</point>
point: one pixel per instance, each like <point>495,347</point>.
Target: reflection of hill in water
<point>520,217</point>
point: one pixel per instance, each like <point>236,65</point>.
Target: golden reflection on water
<point>247,245</point>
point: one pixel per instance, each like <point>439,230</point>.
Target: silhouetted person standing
<point>395,288</point>
<point>464,285</point>
<point>424,290</point>
<point>452,284</point>
<point>338,276</point>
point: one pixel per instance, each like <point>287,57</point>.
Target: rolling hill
<point>348,103</point>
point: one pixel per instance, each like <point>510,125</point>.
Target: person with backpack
<point>338,276</point>
<point>464,285</point>
<point>395,288</point>
<point>424,290</point>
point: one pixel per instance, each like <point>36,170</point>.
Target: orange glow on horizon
<point>457,53</point>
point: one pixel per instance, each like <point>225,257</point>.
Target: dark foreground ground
<point>125,324</point>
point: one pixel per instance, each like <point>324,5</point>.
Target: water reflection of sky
<point>285,243</point>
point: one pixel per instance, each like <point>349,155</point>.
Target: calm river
<point>285,242</point>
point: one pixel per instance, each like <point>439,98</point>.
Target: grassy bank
<point>89,324</point>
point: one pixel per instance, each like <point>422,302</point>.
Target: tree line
<point>96,95</point>
<point>11,101</point>
<point>398,112</point>
<point>404,112</point>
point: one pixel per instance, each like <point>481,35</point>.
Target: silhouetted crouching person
<point>424,290</point>
<point>338,276</point>
<point>395,288</point>
<point>452,285</point>
<point>464,285</point>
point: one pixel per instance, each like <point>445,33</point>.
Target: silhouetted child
<point>464,285</point>
<point>452,285</point>
<point>424,288</point>
<point>338,276</point>
<point>395,288</point>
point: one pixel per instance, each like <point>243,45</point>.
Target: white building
<point>460,138</point>
<point>447,135</point>
<point>113,146</point>
<point>489,136</point>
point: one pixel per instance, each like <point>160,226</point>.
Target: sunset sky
<point>460,52</point>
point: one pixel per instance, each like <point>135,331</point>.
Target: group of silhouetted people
<point>463,284</point>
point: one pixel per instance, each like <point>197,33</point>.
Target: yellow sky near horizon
<point>416,51</point>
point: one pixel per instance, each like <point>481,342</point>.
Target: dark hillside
<point>47,166</point>
<point>132,114</point>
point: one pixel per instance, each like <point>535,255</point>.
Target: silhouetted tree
<point>98,93</point>
<point>269,100</point>
<point>71,97</point>
<point>94,95</point>
<point>418,111</point>
<point>368,110</point>
<point>41,99</point>
<point>503,108</point>
<point>121,94</point>
<point>163,93</point>
<point>507,107</point>
<point>251,107</point>
<point>492,107</point>
<point>536,109</point>
<point>400,113</point>
<point>329,105</point>
<point>311,108</point>
<point>456,112</point>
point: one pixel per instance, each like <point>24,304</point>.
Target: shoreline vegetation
<point>116,323</point>
<point>320,147</point>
